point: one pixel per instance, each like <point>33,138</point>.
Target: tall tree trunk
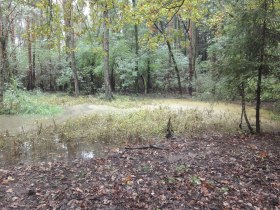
<point>243,110</point>
<point>136,50</point>
<point>73,63</point>
<point>258,97</point>
<point>144,80</point>
<point>33,67</point>
<point>33,40</point>
<point>175,66</point>
<point>106,67</point>
<point>192,55</point>
<point>4,63</point>
<point>13,43</point>
<point>149,80</point>
<point>29,48</point>
<point>112,79</point>
<point>70,41</point>
<point>260,72</point>
<point>2,56</point>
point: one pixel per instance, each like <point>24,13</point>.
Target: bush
<point>22,102</point>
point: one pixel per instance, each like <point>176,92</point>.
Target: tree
<point>31,73</point>
<point>136,47</point>
<point>4,64</point>
<point>70,41</point>
<point>245,49</point>
<point>106,68</point>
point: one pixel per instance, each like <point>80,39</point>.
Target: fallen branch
<point>146,147</point>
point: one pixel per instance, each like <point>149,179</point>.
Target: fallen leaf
<point>10,190</point>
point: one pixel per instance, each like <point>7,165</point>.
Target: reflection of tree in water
<point>71,150</point>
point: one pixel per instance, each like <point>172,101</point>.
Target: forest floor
<point>209,172</point>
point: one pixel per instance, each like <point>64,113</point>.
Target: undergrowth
<point>22,102</point>
<point>143,125</point>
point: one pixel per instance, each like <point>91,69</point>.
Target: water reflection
<point>28,152</point>
<point>87,155</point>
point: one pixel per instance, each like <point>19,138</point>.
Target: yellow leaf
<point>9,190</point>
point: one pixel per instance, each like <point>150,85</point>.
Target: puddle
<point>29,152</point>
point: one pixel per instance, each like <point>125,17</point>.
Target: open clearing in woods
<point>89,126</point>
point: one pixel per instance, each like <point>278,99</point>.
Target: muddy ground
<point>213,172</point>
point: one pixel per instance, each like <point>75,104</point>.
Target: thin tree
<point>106,67</point>
<point>70,41</point>
<point>3,52</point>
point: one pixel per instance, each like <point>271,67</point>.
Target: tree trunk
<point>106,67</point>
<point>136,51</point>
<point>29,49</point>
<point>13,43</point>
<point>175,66</point>
<point>258,97</point>
<point>144,80</point>
<point>149,80</point>
<point>33,67</point>
<point>192,55</point>
<point>2,57</point>
<point>260,72</point>
<point>4,64</point>
<point>243,110</point>
<point>70,41</point>
<point>73,63</point>
<point>112,79</point>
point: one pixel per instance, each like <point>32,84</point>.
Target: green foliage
<point>195,180</point>
<point>123,60</point>
<point>181,168</point>
<point>90,65</point>
<point>21,102</point>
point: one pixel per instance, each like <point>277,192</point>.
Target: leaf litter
<point>213,172</point>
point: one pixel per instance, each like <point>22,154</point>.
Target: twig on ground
<point>147,147</point>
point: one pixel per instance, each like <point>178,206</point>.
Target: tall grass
<point>145,124</point>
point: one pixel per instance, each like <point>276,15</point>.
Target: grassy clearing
<point>144,126</point>
<point>121,101</point>
<point>23,102</point>
<point>127,126</point>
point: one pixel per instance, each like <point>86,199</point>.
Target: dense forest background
<point>210,49</point>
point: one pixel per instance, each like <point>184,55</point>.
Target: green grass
<point>143,125</point>
<point>23,102</point>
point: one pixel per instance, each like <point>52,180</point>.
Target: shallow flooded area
<point>19,146</point>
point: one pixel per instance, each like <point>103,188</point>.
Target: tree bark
<point>29,49</point>
<point>149,80</point>
<point>192,55</point>
<point>106,67</point>
<point>2,57</point>
<point>258,98</point>
<point>70,42</point>
<point>136,51</point>
<point>13,43</point>
<point>243,110</point>
<point>175,66</point>
<point>73,63</point>
<point>260,72</point>
<point>4,63</point>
